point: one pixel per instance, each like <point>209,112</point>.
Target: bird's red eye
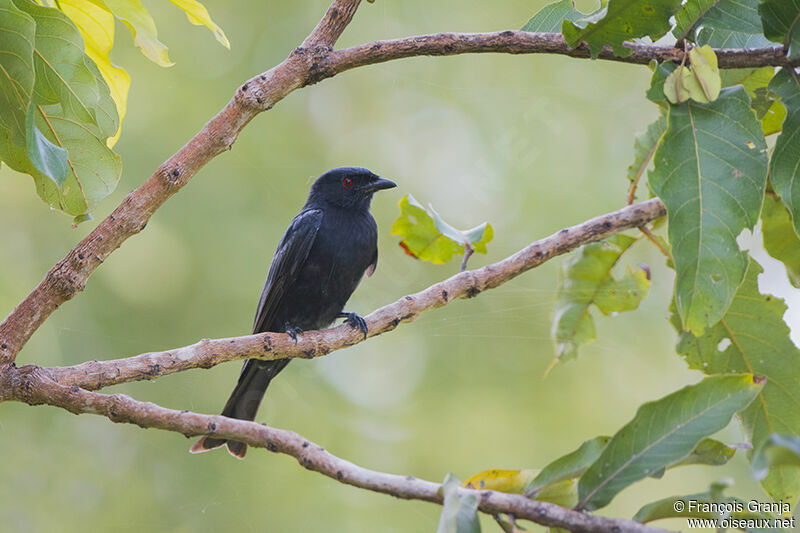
<point>347,182</point>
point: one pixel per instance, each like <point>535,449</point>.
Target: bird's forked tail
<point>244,402</point>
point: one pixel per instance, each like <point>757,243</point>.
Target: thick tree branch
<point>31,385</point>
<point>93,375</point>
<point>313,61</point>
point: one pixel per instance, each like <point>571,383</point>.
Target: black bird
<point>323,255</point>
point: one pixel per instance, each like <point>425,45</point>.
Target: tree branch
<point>93,375</point>
<point>520,42</point>
<point>31,385</point>
<point>307,64</point>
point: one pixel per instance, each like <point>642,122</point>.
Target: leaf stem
<point>468,251</point>
<point>652,238</point>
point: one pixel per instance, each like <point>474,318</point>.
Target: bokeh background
<point>530,143</point>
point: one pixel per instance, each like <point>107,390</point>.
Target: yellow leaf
<point>198,15</point>
<point>143,28</point>
<point>512,481</point>
<point>96,24</point>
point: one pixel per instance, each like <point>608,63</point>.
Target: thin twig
<point>649,234</point>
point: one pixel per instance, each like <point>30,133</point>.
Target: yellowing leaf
<point>96,24</point>
<point>700,82</point>
<point>143,28</point>
<point>198,15</point>
<point>706,71</point>
<point>511,481</point>
<point>426,236</point>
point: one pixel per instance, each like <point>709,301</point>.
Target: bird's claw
<point>293,332</point>
<point>355,321</point>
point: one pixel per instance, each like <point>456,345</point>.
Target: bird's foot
<point>355,321</point>
<point>293,332</point>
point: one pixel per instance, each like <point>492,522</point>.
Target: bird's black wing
<point>289,258</point>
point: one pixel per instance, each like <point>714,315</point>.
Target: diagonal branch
<point>95,375</point>
<point>31,385</point>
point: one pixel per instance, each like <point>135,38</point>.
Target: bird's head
<point>350,187</point>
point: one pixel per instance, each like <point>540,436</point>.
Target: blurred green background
<point>530,143</point>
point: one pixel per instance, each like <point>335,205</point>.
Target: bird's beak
<point>380,184</point>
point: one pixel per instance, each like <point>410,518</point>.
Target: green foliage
<point>459,513</point>
<point>783,170</point>
<point>62,99</point>
<point>570,466</point>
<point>59,114</point>
<point>620,21</point>
<point>552,16</point>
<point>663,432</point>
<point>780,18</point>
<point>713,188</point>
<point>666,508</point>
<point>645,146</point>
<point>764,102</point>
<point>776,451</point>
<point>689,16</point>
<point>721,23</point>
<point>425,235</point>
<point>586,279</point>
<point>780,239</point>
<point>753,338</point>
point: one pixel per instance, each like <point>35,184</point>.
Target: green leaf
<point>586,280</point>
<point>781,20</point>
<point>620,21</point>
<point>707,452</point>
<point>736,15</point>
<point>780,239</point>
<point>689,16</point>
<point>198,15</point>
<point>752,338</point>
<point>764,102</point>
<point>663,432</point>
<point>784,171</point>
<point>570,466</point>
<point>726,24</point>
<point>645,146</point>
<point>459,513</point>
<point>63,75</point>
<point>427,236</point>
<point>712,187</point>
<point>17,35</point>
<point>75,111</point>
<point>655,93</point>
<point>703,507</point>
<point>550,18</point>
<point>49,159</point>
<point>511,481</point>
<point>777,450</point>
<point>143,29</point>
